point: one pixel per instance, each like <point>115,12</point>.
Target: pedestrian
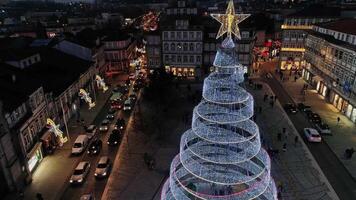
<point>284,147</point>
<point>295,78</point>
<point>39,196</point>
<point>296,140</point>
<point>338,120</point>
<point>279,136</point>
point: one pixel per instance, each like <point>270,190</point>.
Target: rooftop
<point>344,26</point>
<point>317,11</point>
<point>332,40</point>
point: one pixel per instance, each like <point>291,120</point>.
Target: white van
<point>80,144</point>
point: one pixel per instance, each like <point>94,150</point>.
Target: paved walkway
<point>344,133</point>
<point>295,169</point>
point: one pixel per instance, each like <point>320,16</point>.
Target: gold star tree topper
<point>229,21</point>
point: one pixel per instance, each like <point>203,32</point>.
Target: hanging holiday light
<point>100,83</point>
<point>85,96</point>
<point>57,132</point>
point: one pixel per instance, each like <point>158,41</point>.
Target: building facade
<point>331,63</point>
<point>153,50</point>
<point>295,31</point>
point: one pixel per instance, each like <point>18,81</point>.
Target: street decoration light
<point>57,132</point>
<point>100,83</point>
<point>220,156</point>
<point>85,96</point>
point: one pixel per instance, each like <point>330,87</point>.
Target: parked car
<point>80,173</point>
<point>312,135</point>
<point>290,108</point>
<point>111,114</point>
<point>133,97</point>
<point>132,76</point>
<point>104,126</point>
<point>303,107</point>
<point>128,105</point>
<point>120,124</point>
<point>87,197</point>
<point>323,128</point>
<point>114,137</point>
<point>91,131</point>
<point>95,147</point>
<point>80,144</point>
<point>315,118</point>
<point>103,168</point>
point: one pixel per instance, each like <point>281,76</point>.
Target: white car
<point>91,131</point>
<point>323,128</point>
<point>128,105</point>
<point>103,167</point>
<point>104,126</point>
<point>80,173</point>
<point>312,135</point>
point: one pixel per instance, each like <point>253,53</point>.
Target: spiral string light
<point>221,156</point>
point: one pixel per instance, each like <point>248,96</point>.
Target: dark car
<point>95,147</point>
<point>315,118</point>
<point>111,114</point>
<point>303,107</point>
<point>291,108</point>
<point>133,97</point>
<point>114,137</point>
<point>120,124</point>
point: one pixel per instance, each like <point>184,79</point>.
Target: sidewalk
<point>295,169</point>
<point>344,133</point>
<point>130,178</point>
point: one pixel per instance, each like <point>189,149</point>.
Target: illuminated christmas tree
<point>221,156</point>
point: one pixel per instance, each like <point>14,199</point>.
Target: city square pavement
<point>54,171</point>
<point>295,170</point>
<point>343,133</point>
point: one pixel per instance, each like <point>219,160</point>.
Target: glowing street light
<point>85,96</point>
<point>100,83</point>
<point>55,129</point>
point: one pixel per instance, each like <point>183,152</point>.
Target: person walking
<point>338,120</point>
<point>296,140</point>
<point>284,147</point>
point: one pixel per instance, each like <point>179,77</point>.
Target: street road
<point>342,182</point>
<point>92,185</point>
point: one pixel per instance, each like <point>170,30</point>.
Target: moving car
<point>323,128</point>
<point>104,126</point>
<point>80,173</point>
<point>303,107</point>
<point>80,144</point>
<point>103,167</point>
<point>91,131</point>
<point>120,124</point>
<point>312,135</point>
<point>95,147</point>
<point>133,97</point>
<point>128,105</point>
<point>114,137</point>
<point>315,118</point>
<point>111,114</point>
<point>132,76</point>
<point>291,108</point>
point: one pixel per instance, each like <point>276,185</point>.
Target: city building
<point>36,84</point>
<point>331,63</point>
<point>182,40</point>
<point>119,49</point>
<point>153,49</point>
<point>294,33</point>
<point>10,167</point>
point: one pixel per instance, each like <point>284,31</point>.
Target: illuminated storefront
<point>181,71</point>
<point>343,105</point>
<point>34,157</point>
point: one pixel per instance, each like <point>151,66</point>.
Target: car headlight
<point>95,174</point>
<point>115,142</point>
<point>80,180</point>
<point>104,174</point>
<point>95,151</point>
<point>71,181</point>
<point>108,142</point>
<point>121,127</point>
<point>88,151</point>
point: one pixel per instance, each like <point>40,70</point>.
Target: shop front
<point>343,105</point>
<point>49,142</point>
<point>307,75</point>
<point>181,71</point>
<point>34,157</point>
